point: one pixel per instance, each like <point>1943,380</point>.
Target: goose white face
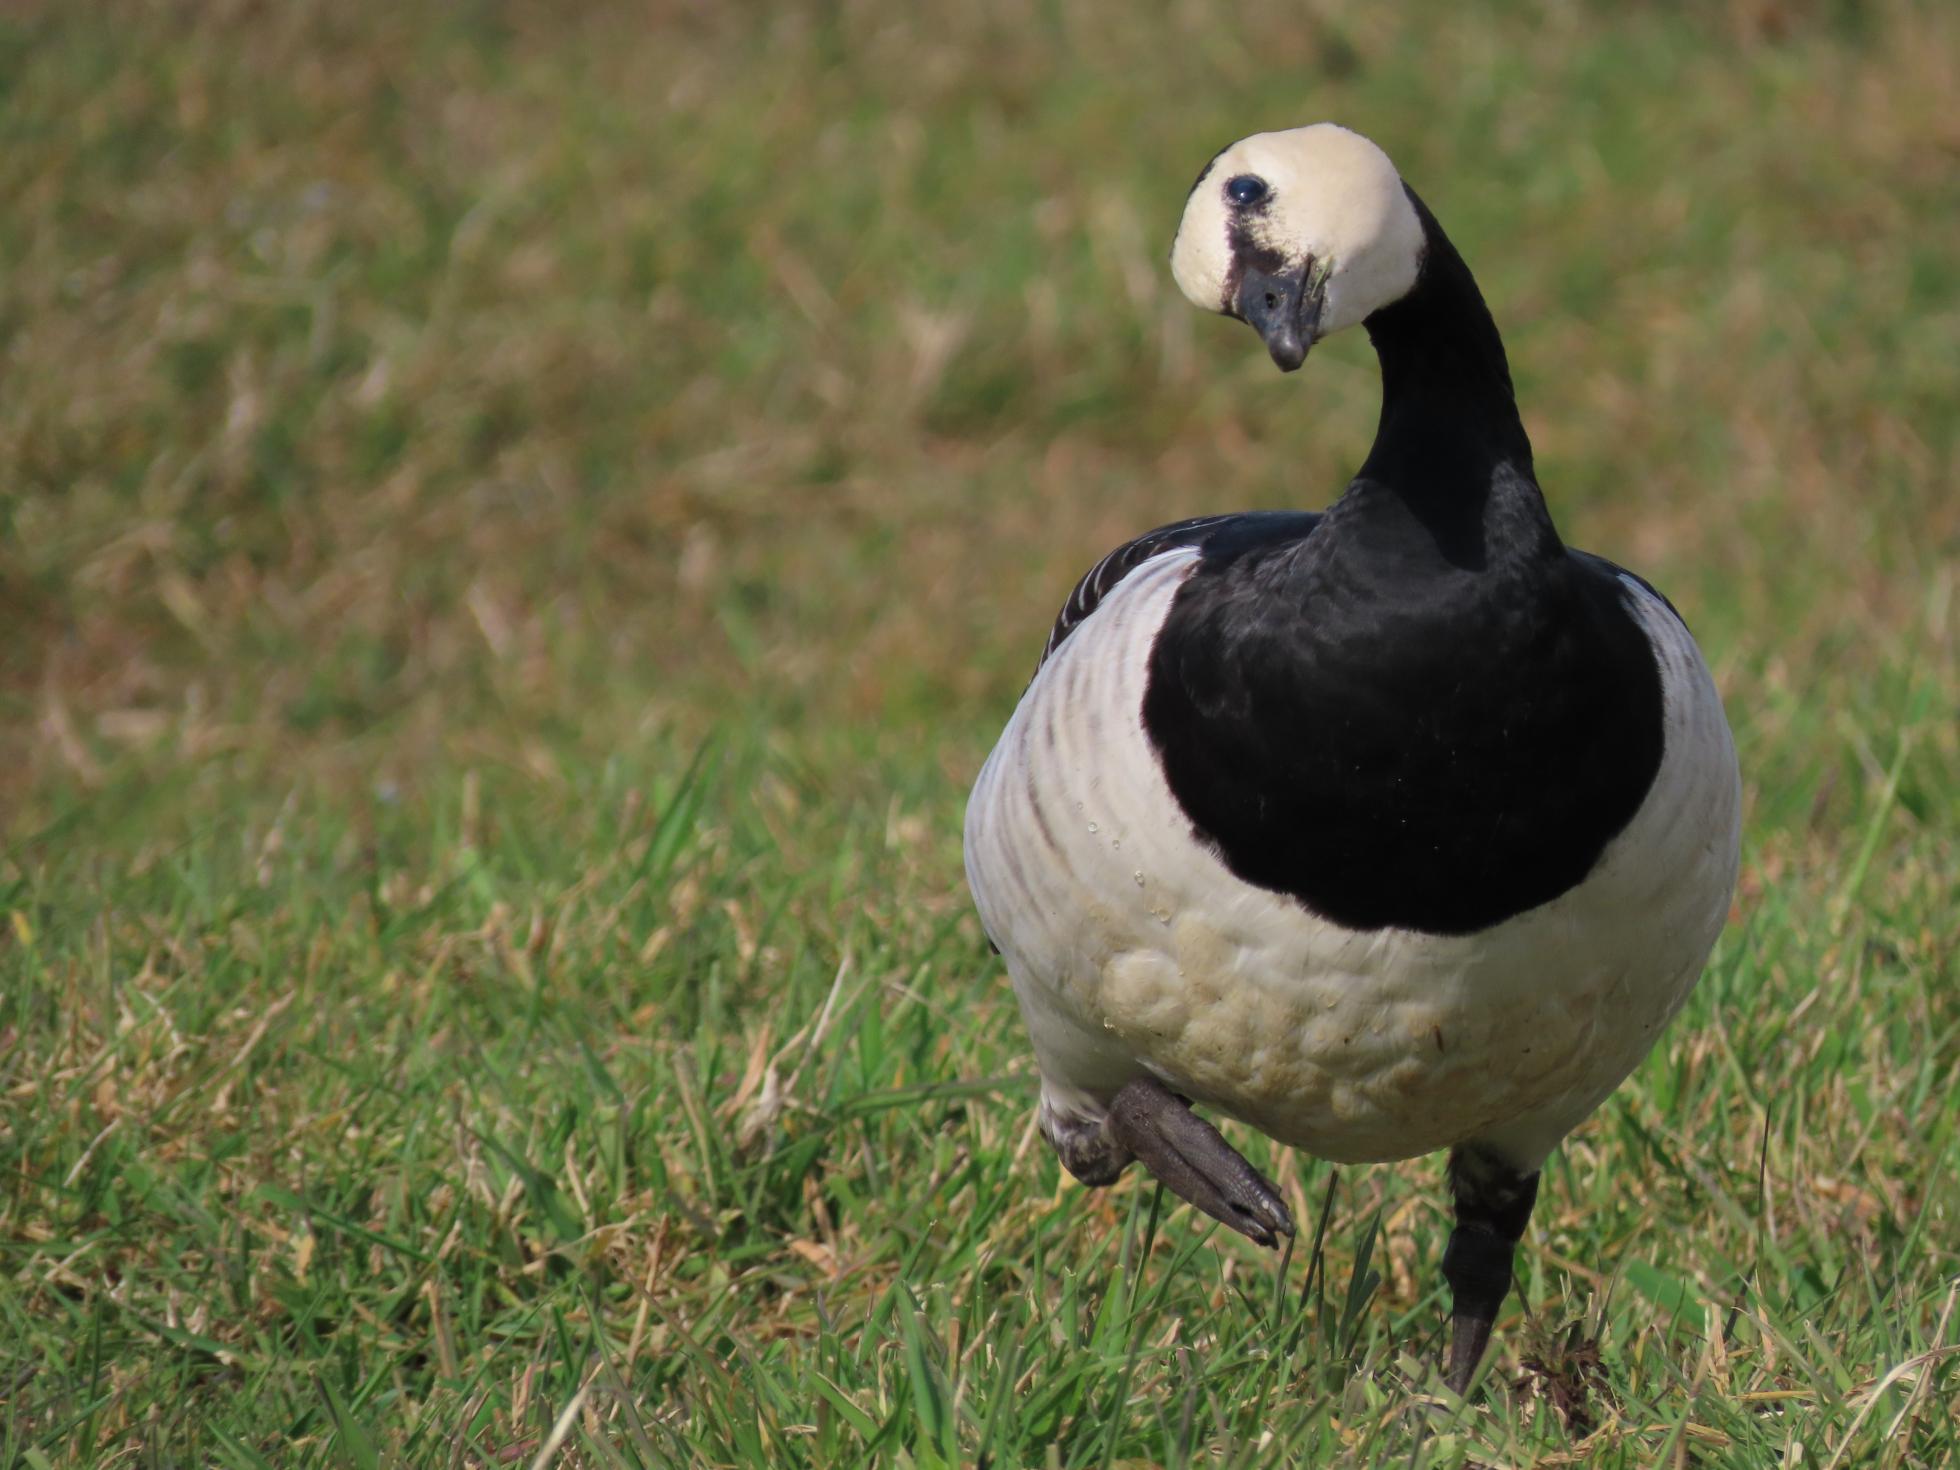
<point>1300,234</point>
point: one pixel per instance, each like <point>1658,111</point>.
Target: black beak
<point>1283,310</point>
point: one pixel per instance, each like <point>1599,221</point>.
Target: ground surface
<point>518,533</point>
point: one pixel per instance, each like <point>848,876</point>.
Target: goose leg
<point>1493,1205</point>
<point>1194,1161</point>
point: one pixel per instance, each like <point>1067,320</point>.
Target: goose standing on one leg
<point>1389,829</point>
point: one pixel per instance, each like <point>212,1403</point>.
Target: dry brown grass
<point>370,370</point>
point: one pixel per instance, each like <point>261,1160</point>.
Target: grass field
<point>518,532</point>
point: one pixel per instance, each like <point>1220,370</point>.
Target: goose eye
<point>1246,190</point>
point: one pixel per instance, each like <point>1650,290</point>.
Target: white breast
<point>1132,947</point>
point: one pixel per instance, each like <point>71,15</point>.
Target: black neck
<point>1449,420</point>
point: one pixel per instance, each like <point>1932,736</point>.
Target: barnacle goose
<point>1386,829</point>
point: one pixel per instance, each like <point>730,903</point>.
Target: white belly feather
<point>1132,947</point>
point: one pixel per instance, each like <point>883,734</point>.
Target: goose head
<point>1298,234</point>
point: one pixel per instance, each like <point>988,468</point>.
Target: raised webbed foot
<point>1195,1162</point>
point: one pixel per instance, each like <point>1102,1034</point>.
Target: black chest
<point>1398,732</point>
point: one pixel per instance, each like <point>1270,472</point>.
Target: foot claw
<point>1493,1205</point>
<point>1469,1337</point>
<point>1195,1162</point>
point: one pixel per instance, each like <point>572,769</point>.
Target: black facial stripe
<point>1246,247</point>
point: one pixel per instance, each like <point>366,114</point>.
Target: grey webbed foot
<point>1493,1205</point>
<point>1195,1162</point>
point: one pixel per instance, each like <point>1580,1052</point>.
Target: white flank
<point>1133,948</point>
